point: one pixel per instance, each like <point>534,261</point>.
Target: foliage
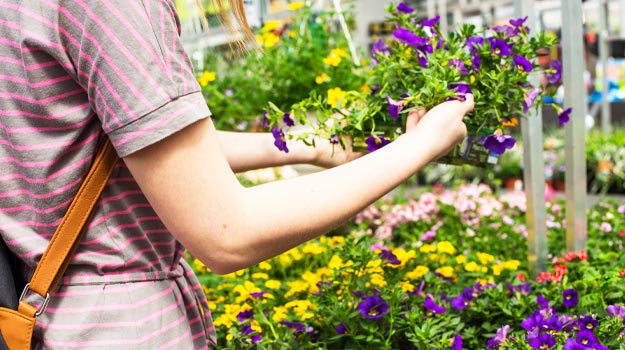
<point>303,54</point>
<point>422,68</point>
<point>444,269</point>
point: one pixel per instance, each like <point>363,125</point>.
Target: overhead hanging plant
<point>419,67</point>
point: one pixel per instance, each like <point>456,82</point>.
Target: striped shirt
<point>70,72</point>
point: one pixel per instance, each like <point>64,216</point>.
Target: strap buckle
<point>43,306</point>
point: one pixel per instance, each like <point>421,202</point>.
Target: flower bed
<point>441,269</point>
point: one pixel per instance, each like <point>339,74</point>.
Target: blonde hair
<point>238,12</point>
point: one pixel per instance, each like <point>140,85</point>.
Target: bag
<point>8,283</point>
<point>17,317</point>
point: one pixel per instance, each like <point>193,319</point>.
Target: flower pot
<point>513,183</point>
<point>558,185</point>
<point>471,152</point>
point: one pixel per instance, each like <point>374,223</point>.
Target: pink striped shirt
<point>70,72</point>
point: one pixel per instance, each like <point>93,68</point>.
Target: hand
<point>445,121</point>
<point>328,155</point>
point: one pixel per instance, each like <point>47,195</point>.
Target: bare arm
<point>229,227</point>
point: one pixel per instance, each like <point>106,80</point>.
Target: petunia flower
<point>459,65</point>
<point>279,140</point>
<point>264,121</point>
<point>564,116</point>
<point>499,46</point>
<point>405,36</point>
<point>378,47</point>
<point>529,98</point>
<point>572,344</point>
<point>462,300</point>
<point>389,257</point>
<point>616,311</point>
<point>402,7</point>
<point>342,328</point>
<point>518,22</point>
<point>499,339</point>
<point>245,315</point>
<point>461,90</point>
<point>554,73</point>
<point>297,327</point>
<point>522,64</point>
<point>457,345</point>
<point>534,321</point>
<point>569,298</point>
<point>432,307</point>
<point>506,30</point>
<point>587,323</point>
<point>586,338</point>
<point>394,107</point>
<point>286,118</point>
<point>431,22</point>
<point>499,143</point>
<point>476,61</point>
<point>473,43</point>
<point>374,143</point>
<point>542,341</point>
<point>373,307</point>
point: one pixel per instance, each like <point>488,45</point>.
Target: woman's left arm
<point>247,151</point>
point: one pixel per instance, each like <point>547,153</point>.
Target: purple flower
<point>542,341</point>
<point>499,46</point>
<point>542,302</point>
<point>586,338</point>
<point>229,92</point>
<point>457,345</point>
<point>461,90</point>
<point>402,7</point>
<point>506,30</point>
<point>245,315</point>
<point>499,143</point>
<point>522,64</point>
<point>342,328</point>
<point>394,107</point>
<point>334,139</point>
<point>405,36</point>
<point>264,122</point>
<point>529,98</point>
<point>373,307</point>
<point>295,326</point>
<point>564,116</point>
<point>587,323</point>
<point>463,300</point>
<point>569,298</point>
<point>286,118</point>
<point>459,66</point>
<point>532,322</point>
<point>572,344</point>
<point>423,61</point>
<point>523,288</point>
<point>374,143</point>
<point>378,47</point>
<point>616,311</point>
<point>389,257</point>
<point>279,142</point>
<point>257,294</point>
<point>476,61</point>
<point>499,339</point>
<point>432,307</point>
<point>257,338</point>
<point>554,73</point>
<point>474,41</point>
<point>430,22</point>
<point>518,22</point>
<point>247,329</point>
<point>552,323</point>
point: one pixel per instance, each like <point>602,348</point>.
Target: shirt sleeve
<point>131,62</point>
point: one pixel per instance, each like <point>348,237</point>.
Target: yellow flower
<point>264,266</point>
<point>295,6</point>
<point>229,337</point>
<point>335,262</point>
<point>418,272</point>
<point>273,284</point>
<point>268,39</point>
<point>260,276</point>
<point>336,241</point>
<point>461,259</point>
<point>485,258</point>
<point>199,267</point>
<point>472,267</point>
<point>279,313</point>
<point>339,53</point>
<point>206,78</point>
<point>296,287</point>
<point>335,95</point>
<point>378,280</point>
<point>254,325</point>
<point>511,265</point>
<point>292,34</point>
<point>364,88</point>
<point>406,287</point>
<point>446,271</point>
<point>332,60</point>
<point>312,249</point>
<point>403,256</point>
<point>497,268</point>
<point>301,308</point>
<point>446,247</point>
<point>322,78</point>
<point>270,26</point>
<point>427,248</point>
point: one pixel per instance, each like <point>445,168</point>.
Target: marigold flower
<point>335,95</point>
<point>445,247</point>
<point>294,6</point>
<point>206,78</point>
<point>322,78</point>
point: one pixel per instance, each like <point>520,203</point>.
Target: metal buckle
<point>43,306</point>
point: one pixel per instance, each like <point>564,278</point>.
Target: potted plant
<point>420,68</point>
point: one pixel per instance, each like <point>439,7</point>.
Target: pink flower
<point>606,227</point>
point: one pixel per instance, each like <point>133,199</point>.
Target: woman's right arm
<point>188,181</point>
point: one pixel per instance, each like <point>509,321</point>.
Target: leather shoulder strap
<point>68,234</point>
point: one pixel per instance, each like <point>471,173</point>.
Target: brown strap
<point>67,236</point>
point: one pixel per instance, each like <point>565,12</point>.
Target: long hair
<point>238,12</point>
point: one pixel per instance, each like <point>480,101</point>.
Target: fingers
<point>414,117</point>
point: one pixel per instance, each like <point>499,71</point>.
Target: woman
<point>75,70</point>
